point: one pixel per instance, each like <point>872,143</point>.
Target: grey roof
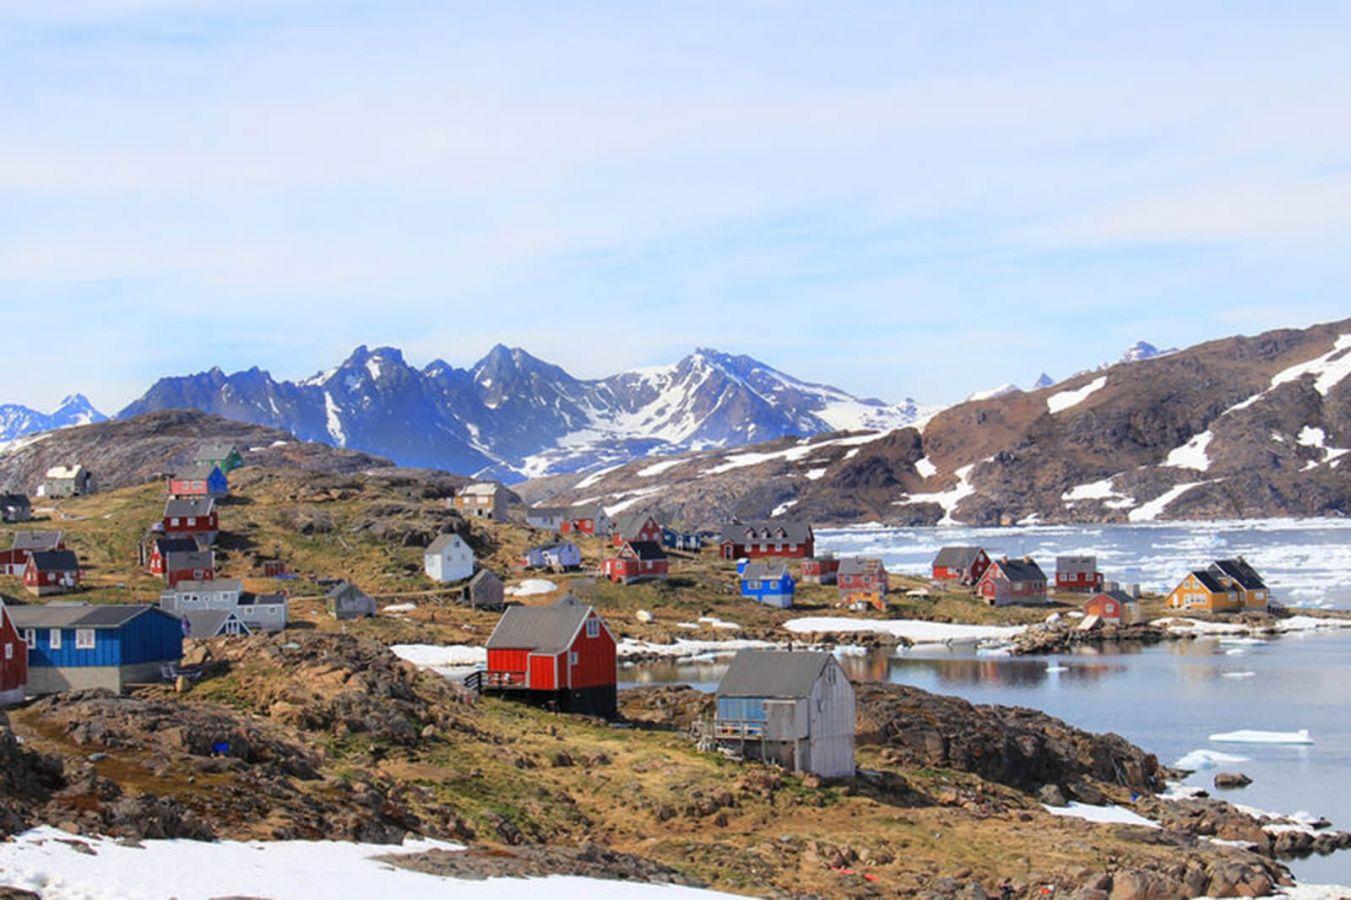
<point>763,532</point>
<point>627,525</point>
<point>218,584</point>
<point>207,623</point>
<point>1068,562</point>
<point>480,489</point>
<point>76,615</point>
<point>36,540</point>
<point>1025,569</point>
<point>189,559</point>
<point>442,542</point>
<point>1239,570</point>
<point>483,575</point>
<point>1118,596</point>
<point>763,570</point>
<point>202,471</point>
<point>547,629</point>
<point>55,560</point>
<point>344,589</point>
<point>957,557</point>
<point>549,512</point>
<point>587,511</point>
<point>858,565</point>
<point>773,673</point>
<point>1209,580</point>
<point>183,507</point>
<point>262,599</point>
<point>216,450</point>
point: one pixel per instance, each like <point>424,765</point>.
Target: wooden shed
<point>561,655</point>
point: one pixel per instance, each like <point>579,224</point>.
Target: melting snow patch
<point>925,468</point>
<point>715,622</point>
<point>1107,815</point>
<point>433,656</point>
<point>1257,736</point>
<point>683,649</point>
<point>1327,371</point>
<point>948,499</point>
<point>658,468</point>
<point>915,630</point>
<point>782,508</point>
<point>399,607</point>
<point>1066,399</point>
<point>1191,455</point>
<point>530,587</point>
<point>1238,675</point>
<point>1152,510</point>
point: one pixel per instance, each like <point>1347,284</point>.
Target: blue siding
<point>217,483</point>
<point>774,591</point>
<point>153,636</point>
<point>741,709</point>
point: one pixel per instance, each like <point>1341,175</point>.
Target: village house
<point>191,517</point>
<point>1112,607</point>
<point>863,581</point>
<point>1009,581</point>
<point>549,518</point>
<point>754,540</point>
<point>15,508</point>
<point>13,660</point>
<point>820,569</point>
<point>635,527</point>
<point>636,561</point>
<point>770,583</point>
<point>67,481</point>
<point>260,612</point>
<point>156,547</point>
<point>81,646</point>
<point>964,565</point>
<point>448,559</point>
<point>347,601</point>
<point>558,557</point>
<point>1252,590</point>
<point>1077,573</point>
<point>204,624</point>
<point>591,519</point>
<point>224,456</point>
<point>561,655</point>
<point>1205,591</point>
<point>188,565</point>
<point>674,539</point>
<point>15,559</point>
<point>485,591</point>
<point>485,500</point>
<point>199,481</point>
<point>791,708</point>
<point>51,572</point>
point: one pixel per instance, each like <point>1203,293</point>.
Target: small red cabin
<point>161,547</point>
<point>1114,607</point>
<point>757,540</point>
<point>820,569</point>
<point>273,568</point>
<point>1007,581</point>
<point>191,517</point>
<point>961,564</point>
<point>636,528</point>
<point>51,572</point>
<point>1077,573</point>
<point>586,520</point>
<point>13,661</point>
<point>14,560</point>
<point>561,655</point>
<point>189,565</point>
<point>635,561</point>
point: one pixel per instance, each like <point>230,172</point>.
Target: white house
<point>448,559</point>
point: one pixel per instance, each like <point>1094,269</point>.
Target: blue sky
<point>900,199</point>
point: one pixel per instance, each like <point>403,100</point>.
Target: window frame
<point>592,628</point>
<point>85,639</point>
<point>53,638</point>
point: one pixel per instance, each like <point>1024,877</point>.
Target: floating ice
<point>1207,759</point>
<point>1257,736</point>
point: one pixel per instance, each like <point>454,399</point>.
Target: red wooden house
<point>13,660</point>
<point>755,540</point>
<point>191,517</point>
<point>863,581</point>
<point>1114,607</point>
<point>586,520</point>
<point>51,572</point>
<point>1077,573</point>
<point>640,527</point>
<point>635,561</point>
<point>189,565</point>
<point>961,564</point>
<point>206,480</point>
<point>561,655</point>
<point>820,569</point>
<point>14,560</point>
<point>157,548</point>
<point>1008,581</point>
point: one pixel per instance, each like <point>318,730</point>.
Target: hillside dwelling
<point>15,508</point>
<point>1010,581</point>
<point>590,519</point>
<point>15,559</point>
<point>1206,591</point>
<point>67,481</point>
<point>224,456</point>
<point>557,557</point>
<point>790,708</point>
<point>768,583</point>
<point>1077,573</point>
<point>863,581</point>
<point>964,565</point>
<point>199,481</point>
<point>635,527</point>
<point>561,655</point>
<point>636,561</point>
<point>448,559</point>
<point>204,624</point>
<point>51,572</point>
<point>13,660</point>
<point>549,518</point>
<point>156,549</point>
<point>1113,608</point>
<point>346,601</point>
<point>486,591</point>
<point>191,517</point>
<point>261,612</point>
<point>273,568</point>
<point>485,500</point>
<point>189,565</point>
<point>689,542</point>
<point>81,646</point>
<point>820,570</point>
<point>1252,590</point>
<point>756,540</point>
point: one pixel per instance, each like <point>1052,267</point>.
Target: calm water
<point>1306,562</point>
<point>1167,699</point>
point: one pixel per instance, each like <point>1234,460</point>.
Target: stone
<point>1232,780</point>
<point>1052,795</point>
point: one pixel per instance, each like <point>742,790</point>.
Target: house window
<point>30,637</point>
<point>173,521</point>
<point>192,520</point>
<point>572,658</point>
<point>593,628</point>
<point>54,638</point>
<point>9,650</point>
<point>84,639</point>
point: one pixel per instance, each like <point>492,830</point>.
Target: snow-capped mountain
<point>511,415</point>
<point>17,421</point>
<point>1141,350</point>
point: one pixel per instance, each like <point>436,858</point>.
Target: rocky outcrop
<point>585,861</point>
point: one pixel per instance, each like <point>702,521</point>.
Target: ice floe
<point>1258,736</point>
<point>1207,759</point>
<point>915,630</point>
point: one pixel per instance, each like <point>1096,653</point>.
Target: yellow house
<point>1252,590</point>
<point>1205,591</point>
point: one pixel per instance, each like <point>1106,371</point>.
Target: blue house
<point>767,582</point>
<point>76,646</point>
<point>680,540</point>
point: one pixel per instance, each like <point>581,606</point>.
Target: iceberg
<point>1256,736</point>
<point>1207,759</point>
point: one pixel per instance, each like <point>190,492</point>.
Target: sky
<point>901,199</point>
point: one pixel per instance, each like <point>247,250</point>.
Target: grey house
<point>260,612</point>
<point>202,624</point>
<point>68,481</point>
<point>347,601</point>
<point>485,591</point>
<point>794,709</point>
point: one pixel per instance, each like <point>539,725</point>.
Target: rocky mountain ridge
<point>18,421</point>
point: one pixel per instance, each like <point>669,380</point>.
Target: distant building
<point>189,565</point>
<point>1077,573</point>
<point>204,480</point>
<point>225,456</point>
<point>15,508</point>
<point>1009,581</point>
<point>485,500</point>
<point>485,591</point>
<point>674,539</point>
<point>770,583</point>
<point>260,612</point>
<point>561,655</point>
<point>448,558</point>
<point>14,560</point>
<point>590,519</point>
<point>156,549</point>
<point>560,556</point>
<point>204,624</point>
<point>863,581</point>
<point>347,601</point>
<point>51,572</point>
<point>964,565</point>
<point>13,660</point>
<point>191,517</point>
<point>68,481</point>
<point>820,570</point>
<point>636,561</point>
<point>1205,591</point>
<point>635,527</point>
<point>794,709</point>
<point>755,540</point>
<point>1113,607</point>
<point>80,646</point>
<point>546,517</point>
<point>1252,590</point>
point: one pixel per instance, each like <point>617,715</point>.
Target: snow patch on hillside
<point>1328,370</point>
<point>792,454</point>
<point>1154,508</point>
<point>948,499</point>
<point>1099,490</point>
<point>1064,400</point>
<point>1191,455</point>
